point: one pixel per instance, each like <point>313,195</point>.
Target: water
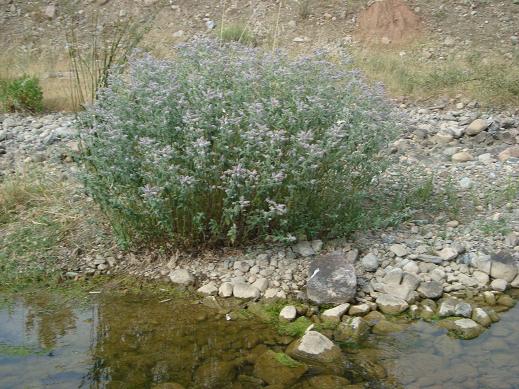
<point>137,341</point>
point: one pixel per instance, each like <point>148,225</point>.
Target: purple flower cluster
<point>226,143</point>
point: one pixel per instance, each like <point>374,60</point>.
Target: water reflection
<point>135,341</point>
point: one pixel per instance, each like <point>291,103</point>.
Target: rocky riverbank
<point>427,266</point>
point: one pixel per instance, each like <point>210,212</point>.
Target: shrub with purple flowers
<point>227,144</point>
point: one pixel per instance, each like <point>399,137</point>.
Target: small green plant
<point>237,33</point>
<point>287,361</point>
<point>495,227</point>
<point>294,329</point>
<point>21,94</point>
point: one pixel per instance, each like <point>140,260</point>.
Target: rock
<point>50,11</point>
<point>303,248</point>
<point>209,289</point>
<point>262,284</point>
<point>411,267</point>
<point>271,293</point>
<point>515,282</point>
<point>506,301</point>
<point>359,310</point>
<point>489,297</point>
<point>369,262</point>
<point>467,328</point>
<point>463,309</point>
<point>431,289</point>
<point>429,258</point>
<point>245,291</point>
<point>278,369</point>
<point>512,239</point>
<point>335,314</point>
<point>481,277</point>
<point>448,253</point>
<point>447,308</point>
<point>391,305</point>
<point>499,285</point>
<point>384,327</point>
<point>462,156</point>
<point>480,316</point>
<point>241,266</point>
<point>288,313</point>
<point>324,381</point>
<point>399,250</point>
<point>403,290</point>
<point>315,349</point>
<point>482,262</point>
<point>168,385</point>
<point>225,290</point>
<point>503,266</point>
<point>181,277</point>
<point>215,374</point>
<point>332,280</point>
<point>354,327</point>
<point>476,127</point>
<point>511,152</point>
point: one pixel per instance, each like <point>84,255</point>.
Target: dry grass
<point>44,219</point>
<point>491,81</point>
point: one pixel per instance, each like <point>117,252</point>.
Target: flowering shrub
<point>226,144</point>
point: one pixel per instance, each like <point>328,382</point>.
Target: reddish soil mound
<point>388,21</point>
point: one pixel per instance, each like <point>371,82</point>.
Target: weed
<point>108,51</point>
<point>21,94</point>
<point>294,329</point>
<point>495,227</point>
<point>287,361</point>
<point>237,33</point>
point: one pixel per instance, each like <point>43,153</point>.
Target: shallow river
<point>137,341</point>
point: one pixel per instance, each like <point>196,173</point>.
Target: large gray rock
<point>467,328</point>
<point>332,280</point>
<point>369,262</point>
<point>391,305</point>
<point>480,316</point>
<point>245,291</point>
<point>181,277</point>
<point>503,266</point>
<point>476,127</point>
<point>430,289</point>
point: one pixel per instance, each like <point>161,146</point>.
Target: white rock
<point>370,262</point>
<point>245,291</point>
<point>476,127</point>
<point>468,328</point>
<point>288,313</point>
<point>447,253</point>
<point>315,343</point>
<point>335,314</point>
<point>209,289</point>
<point>225,290</point>
<point>411,267</point>
<point>499,285</point>
<point>391,305</point>
<point>481,277</point>
<point>181,277</point>
<point>262,284</point>
<point>271,293</point>
<point>399,250</point>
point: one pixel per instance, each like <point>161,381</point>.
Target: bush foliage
<point>227,144</point>
<point>21,94</point>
